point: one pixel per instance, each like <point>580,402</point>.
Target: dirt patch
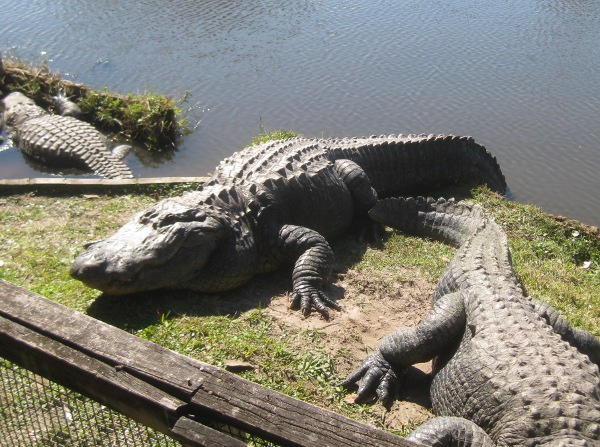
<point>373,304</point>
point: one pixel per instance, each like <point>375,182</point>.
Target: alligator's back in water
<point>273,203</point>
<point>509,370</point>
<point>60,141</point>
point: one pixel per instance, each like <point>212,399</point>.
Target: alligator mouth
<point>113,286</point>
<point>177,269</point>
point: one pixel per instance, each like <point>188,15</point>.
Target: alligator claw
<point>376,377</point>
<point>371,232</point>
<point>366,230</point>
<point>306,300</point>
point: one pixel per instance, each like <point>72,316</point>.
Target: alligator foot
<point>306,297</point>
<point>376,377</point>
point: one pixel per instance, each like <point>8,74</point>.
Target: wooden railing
<point>160,388</point>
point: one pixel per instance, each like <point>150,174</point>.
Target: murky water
<point>522,77</point>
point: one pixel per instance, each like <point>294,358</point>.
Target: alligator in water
<point>273,203</point>
<point>60,141</point>
<point>509,370</point>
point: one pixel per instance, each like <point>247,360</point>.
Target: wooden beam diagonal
<point>104,362</point>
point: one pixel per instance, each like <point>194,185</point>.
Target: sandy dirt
<point>373,306</point>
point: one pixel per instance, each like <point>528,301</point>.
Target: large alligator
<point>509,370</point>
<point>273,203</point>
<point>60,141</point>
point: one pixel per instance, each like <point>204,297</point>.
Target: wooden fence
<point>160,388</point>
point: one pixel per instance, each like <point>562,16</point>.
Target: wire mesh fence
<point>38,413</point>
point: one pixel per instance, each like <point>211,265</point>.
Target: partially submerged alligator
<point>60,141</point>
<point>509,371</point>
<point>275,203</point>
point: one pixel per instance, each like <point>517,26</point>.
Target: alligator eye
<point>89,244</point>
<point>168,219</point>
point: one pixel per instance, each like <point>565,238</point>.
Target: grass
<point>558,261</point>
<point>151,119</point>
<point>277,134</point>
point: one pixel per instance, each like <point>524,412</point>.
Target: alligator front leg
<point>314,261</point>
<point>451,432</point>
<point>585,342</point>
<point>440,328</point>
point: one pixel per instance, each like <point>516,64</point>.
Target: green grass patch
<point>270,135</point>
<point>429,257</point>
<point>150,118</point>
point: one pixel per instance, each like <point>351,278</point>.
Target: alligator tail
<point>401,165</point>
<point>444,220</point>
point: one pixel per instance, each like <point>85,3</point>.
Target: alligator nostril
<point>87,267</point>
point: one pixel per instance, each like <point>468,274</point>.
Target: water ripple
<point>521,76</point>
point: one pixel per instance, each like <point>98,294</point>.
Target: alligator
<point>508,369</point>
<point>273,203</point>
<point>60,141</point>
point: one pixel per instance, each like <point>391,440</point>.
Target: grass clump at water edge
<point>272,135</point>
<point>151,119</point>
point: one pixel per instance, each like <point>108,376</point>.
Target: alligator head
<point>163,247</point>
<point>18,108</point>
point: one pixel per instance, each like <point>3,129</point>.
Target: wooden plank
<point>100,182</point>
<point>192,433</point>
<point>294,422</point>
<point>171,372</point>
<point>108,385</point>
<point>213,392</point>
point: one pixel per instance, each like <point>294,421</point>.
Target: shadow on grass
<point>139,310</point>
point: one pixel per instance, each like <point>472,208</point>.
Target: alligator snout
<point>98,272</point>
<point>86,268</point>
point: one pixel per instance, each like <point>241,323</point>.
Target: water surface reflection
<point>520,76</point>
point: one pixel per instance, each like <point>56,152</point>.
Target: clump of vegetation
<point>277,134</point>
<point>35,82</point>
<point>150,119</point>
